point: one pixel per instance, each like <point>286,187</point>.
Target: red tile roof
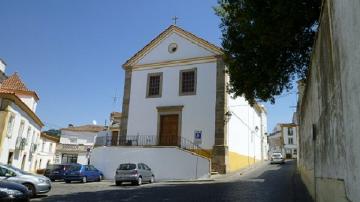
<point>85,128</point>
<point>14,84</point>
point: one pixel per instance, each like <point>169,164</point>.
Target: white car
<point>277,157</point>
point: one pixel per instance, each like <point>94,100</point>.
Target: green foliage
<point>267,44</point>
<point>53,132</point>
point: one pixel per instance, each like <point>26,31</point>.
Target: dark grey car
<point>136,173</point>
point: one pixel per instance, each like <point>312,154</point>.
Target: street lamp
<point>228,115</point>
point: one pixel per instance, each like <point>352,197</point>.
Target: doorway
<point>23,162</point>
<point>10,158</point>
<point>169,130</point>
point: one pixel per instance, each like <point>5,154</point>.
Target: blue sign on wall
<point>197,137</point>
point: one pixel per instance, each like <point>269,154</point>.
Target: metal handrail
<point>166,140</point>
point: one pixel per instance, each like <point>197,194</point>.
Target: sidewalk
<point>239,172</point>
<point>219,177</point>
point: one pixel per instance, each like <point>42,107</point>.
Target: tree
<point>267,44</point>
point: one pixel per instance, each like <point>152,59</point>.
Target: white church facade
<point>176,87</point>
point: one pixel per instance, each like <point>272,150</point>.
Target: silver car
<point>277,157</point>
<point>134,173</point>
<point>37,184</point>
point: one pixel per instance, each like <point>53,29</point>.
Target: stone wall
<point>329,112</point>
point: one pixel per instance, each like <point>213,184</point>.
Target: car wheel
<point>67,181</point>
<point>52,180</point>
<point>84,179</point>
<point>139,181</point>
<point>152,179</point>
<point>31,189</point>
<point>118,183</point>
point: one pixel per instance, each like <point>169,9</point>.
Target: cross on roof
<point>175,18</point>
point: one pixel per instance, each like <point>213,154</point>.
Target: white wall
<point>242,137</point>
<point>198,112</point>
<point>286,138</point>
<point>186,49</point>
<point>85,138</point>
<point>9,142</point>
<point>2,66</point>
<point>167,163</point>
<point>82,158</point>
<point>29,101</point>
<point>45,153</point>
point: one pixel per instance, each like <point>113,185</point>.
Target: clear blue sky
<point>71,52</point>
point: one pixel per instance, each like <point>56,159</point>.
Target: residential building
<point>19,125</point>
<point>284,140</point>
<point>114,127</point>
<point>276,142</point>
<point>111,134</point>
<point>46,149</point>
<point>76,143</point>
<point>175,96</point>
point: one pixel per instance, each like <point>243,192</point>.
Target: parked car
<point>10,191</point>
<point>134,173</point>
<point>82,173</point>
<point>277,158</point>
<point>37,184</point>
<point>56,171</point>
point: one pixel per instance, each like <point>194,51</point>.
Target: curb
<point>173,181</point>
<point>180,181</point>
<point>239,172</point>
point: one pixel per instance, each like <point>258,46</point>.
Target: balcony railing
<point>20,143</point>
<point>152,140</point>
<point>71,147</point>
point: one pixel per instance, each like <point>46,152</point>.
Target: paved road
<point>264,184</point>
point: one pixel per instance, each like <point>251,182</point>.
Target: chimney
<point>2,66</point>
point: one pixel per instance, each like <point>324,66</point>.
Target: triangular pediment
<point>161,49</point>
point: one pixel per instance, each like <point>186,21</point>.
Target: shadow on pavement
<point>277,183</point>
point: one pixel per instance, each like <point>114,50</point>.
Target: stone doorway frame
<point>168,110</point>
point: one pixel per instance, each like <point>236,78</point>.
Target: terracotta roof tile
<point>85,128</point>
<point>14,84</point>
<point>6,91</point>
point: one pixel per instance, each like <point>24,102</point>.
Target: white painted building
<point>284,140</point>
<point>19,125</point>
<point>175,96</point>
<point>76,143</point>
<point>46,151</point>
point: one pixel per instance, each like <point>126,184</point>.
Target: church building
<point>175,93</point>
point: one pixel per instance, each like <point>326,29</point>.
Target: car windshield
<point>276,155</point>
<point>74,167</point>
<point>127,166</point>
<point>17,170</point>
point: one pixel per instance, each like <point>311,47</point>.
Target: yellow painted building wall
<point>238,161</point>
<point>3,125</point>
